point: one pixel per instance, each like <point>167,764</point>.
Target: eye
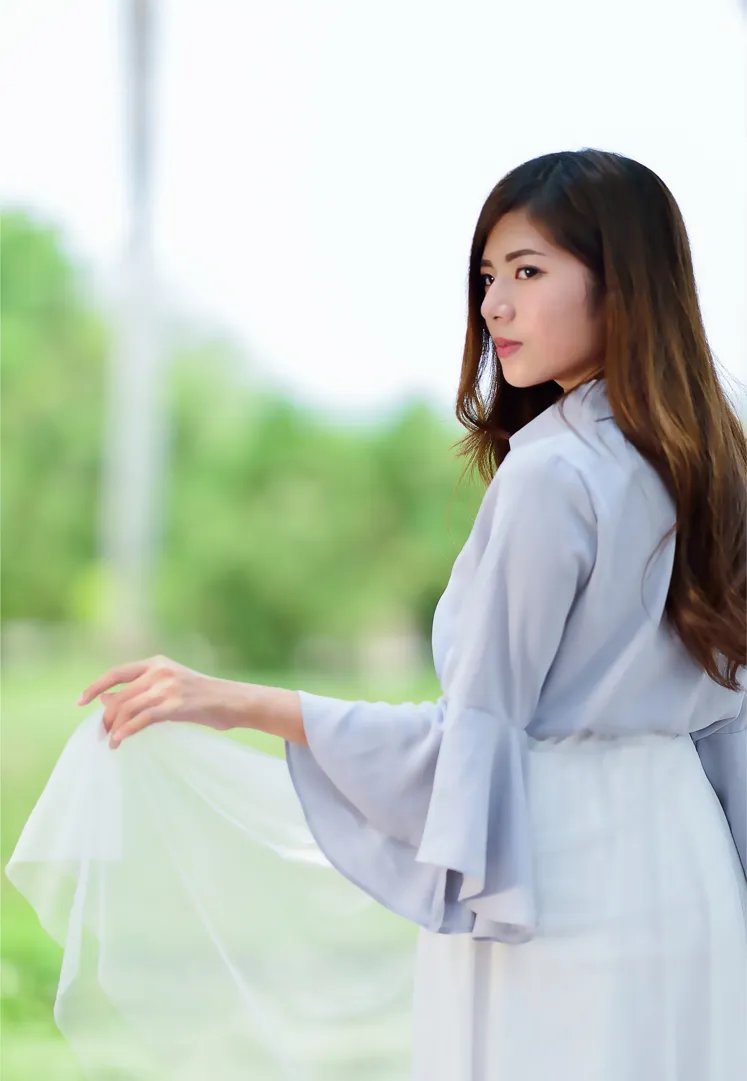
<point>533,268</point>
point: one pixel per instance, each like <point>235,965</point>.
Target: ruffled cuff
<point>427,816</point>
<point>364,783</point>
<point>478,824</point>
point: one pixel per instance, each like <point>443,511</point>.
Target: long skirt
<point>639,969</point>
<point>205,935</point>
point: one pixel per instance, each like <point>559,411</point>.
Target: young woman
<point>567,823</point>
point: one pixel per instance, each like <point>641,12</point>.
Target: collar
<point>582,406</point>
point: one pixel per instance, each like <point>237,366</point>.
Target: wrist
<point>272,710</point>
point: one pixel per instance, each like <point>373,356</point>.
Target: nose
<point>496,305</point>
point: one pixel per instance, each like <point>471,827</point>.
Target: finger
<point>115,701</point>
<point>148,713</point>
<point>107,717</point>
<point>149,699</point>
<point>112,704</point>
<point>125,673</point>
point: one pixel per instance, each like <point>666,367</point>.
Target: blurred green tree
<point>278,525</point>
<point>54,348</point>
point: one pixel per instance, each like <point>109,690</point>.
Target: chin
<point>518,378</point>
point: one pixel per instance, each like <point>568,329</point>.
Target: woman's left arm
<point>423,805</point>
<point>267,709</point>
<point>161,689</point>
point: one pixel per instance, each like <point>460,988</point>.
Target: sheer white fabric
<point>205,935</point>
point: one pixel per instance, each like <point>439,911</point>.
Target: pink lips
<point>505,348</point>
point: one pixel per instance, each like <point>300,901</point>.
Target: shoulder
<point>541,489</point>
<point>543,472</point>
<point>587,454</point>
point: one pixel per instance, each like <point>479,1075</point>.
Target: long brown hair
<point>621,221</point>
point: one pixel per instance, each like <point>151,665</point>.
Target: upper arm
<point>538,555</point>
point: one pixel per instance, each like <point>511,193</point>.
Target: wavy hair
<point>622,222</point>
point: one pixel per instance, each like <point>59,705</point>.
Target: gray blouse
<point>551,624</point>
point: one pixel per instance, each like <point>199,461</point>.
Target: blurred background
<point>234,246</point>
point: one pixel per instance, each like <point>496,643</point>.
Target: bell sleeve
<point>723,755</point>
<point>424,805</point>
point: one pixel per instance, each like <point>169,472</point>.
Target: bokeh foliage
<point>277,524</point>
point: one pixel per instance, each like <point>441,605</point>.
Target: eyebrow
<point>514,255</point>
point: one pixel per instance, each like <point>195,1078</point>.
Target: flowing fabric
<point>205,935</point>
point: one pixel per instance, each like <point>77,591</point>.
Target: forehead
<point>515,230</point>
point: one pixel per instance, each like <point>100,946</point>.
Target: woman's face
<point>540,300</point>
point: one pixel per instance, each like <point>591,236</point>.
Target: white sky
<point>320,166</point>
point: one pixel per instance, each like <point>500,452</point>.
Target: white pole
<point>133,468</point>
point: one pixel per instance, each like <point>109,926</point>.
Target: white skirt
<point>206,936</point>
<point>639,969</point>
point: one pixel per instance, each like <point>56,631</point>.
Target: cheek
<point>562,318</point>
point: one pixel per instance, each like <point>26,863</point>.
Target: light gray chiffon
<point>552,624</point>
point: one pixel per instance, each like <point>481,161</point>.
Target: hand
<point>161,690</point>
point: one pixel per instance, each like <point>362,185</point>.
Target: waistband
<point>607,740</point>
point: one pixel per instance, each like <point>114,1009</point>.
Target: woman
<point>567,823</point>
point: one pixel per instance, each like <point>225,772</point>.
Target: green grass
<point>38,716</point>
